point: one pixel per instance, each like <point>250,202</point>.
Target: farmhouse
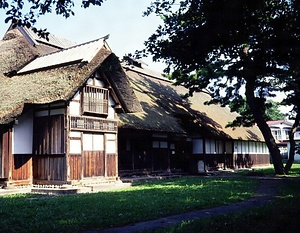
<point>73,114</point>
<point>58,122</point>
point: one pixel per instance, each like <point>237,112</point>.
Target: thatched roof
<point>37,87</point>
<point>29,75</point>
<point>164,109</point>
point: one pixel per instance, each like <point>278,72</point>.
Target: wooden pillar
<point>67,142</point>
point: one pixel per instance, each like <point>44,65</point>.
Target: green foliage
<point>150,200</point>
<point>18,15</point>
<point>294,172</point>
<point>225,45</point>
<point>271,112</point>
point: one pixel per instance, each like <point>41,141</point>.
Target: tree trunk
<point>256,107</point>
<point>292,144</point>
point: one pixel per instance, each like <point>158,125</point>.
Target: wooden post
<point>67,141</point>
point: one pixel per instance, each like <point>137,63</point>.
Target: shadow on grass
<point>150,200</point>
<point>282,215</point>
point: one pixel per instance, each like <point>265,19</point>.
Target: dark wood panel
<point>93,163</point>
<point>250,160</point>
<point>49,135</point>
<point>22,165</point>
<point>51,167</point>
<point>6,149</point>
<point>75,163</point>
<point>111,165</point>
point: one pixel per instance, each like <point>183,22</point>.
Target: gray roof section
<point>52,40</point>
<point>79,53</point>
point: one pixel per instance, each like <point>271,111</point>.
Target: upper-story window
<point>276,133</point>
<point>285,134</point>
<point>95,100</point>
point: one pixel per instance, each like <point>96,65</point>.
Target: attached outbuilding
<point>173,133</point>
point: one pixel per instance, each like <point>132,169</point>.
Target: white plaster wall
<point>111,146</point>
<point>74,108</point>
<point>111,111</point>
<point>89,81</point>
<point>23,135</point>
<point>99,83</point>
<point>98,142</point>
<point>87,141</point>
<point>75,134</point>
<point>75,146</point>
<point>77,96</point>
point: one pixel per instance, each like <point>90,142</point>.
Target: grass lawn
<point>282,215</point>
<point>295,171</point>
<point>144,201</point>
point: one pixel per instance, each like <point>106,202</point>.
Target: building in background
<point>280,130</point>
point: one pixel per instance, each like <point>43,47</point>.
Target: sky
<point>121,19</point>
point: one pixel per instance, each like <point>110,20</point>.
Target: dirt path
<point>265,193</point>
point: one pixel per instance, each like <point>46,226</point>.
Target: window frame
<point>95,100</point>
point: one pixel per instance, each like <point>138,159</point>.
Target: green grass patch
<point>282,215</point>
<point>144,201</point>
<point>294,172</point>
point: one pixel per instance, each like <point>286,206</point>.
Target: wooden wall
<point>111,165</point>
<point>6,149</point>
<point>51,168</point>
<point>251,160</point>
<point>49,135</point>
<point>22,167</point>
<point>93,163</point>
<point>75,163</point>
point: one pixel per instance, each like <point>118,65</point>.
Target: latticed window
<point>95,100</point>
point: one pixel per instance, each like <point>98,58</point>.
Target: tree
<point>26,13</point>
<point>293,99</point>
<point>224,45</point>
<point>271,112</point>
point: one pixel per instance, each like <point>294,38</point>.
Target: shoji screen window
<point>95,100</point>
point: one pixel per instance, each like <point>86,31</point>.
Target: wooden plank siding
<point>22,165</point>
<point>51,167</point>
<point>49,135</point>
<point>93,163</point>
<point>6,149</point>
<point>111,165</point>
<point>75,164</point>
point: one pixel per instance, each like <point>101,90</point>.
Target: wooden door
<point>5,151</point>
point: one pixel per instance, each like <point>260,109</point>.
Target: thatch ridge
<point>121,84</point>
